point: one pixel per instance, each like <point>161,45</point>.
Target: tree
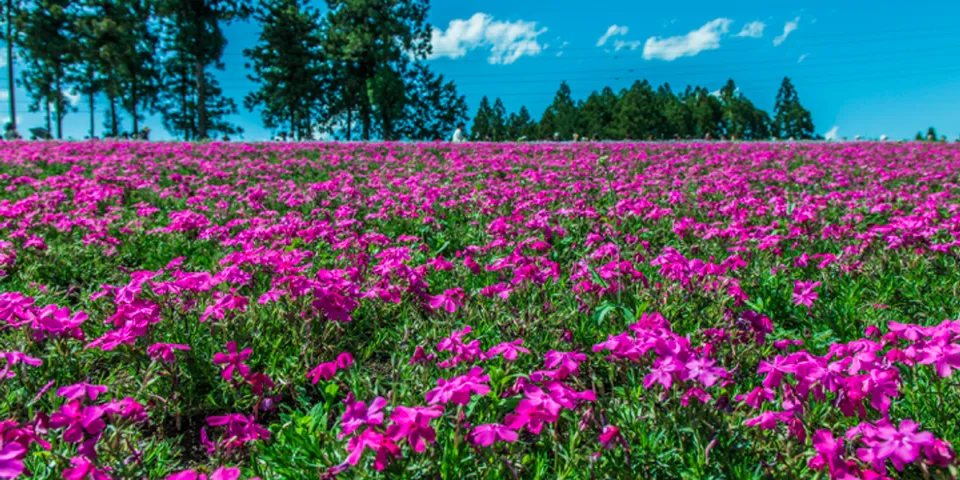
<point>677,117</point>
<point>288,65</point>
<point>371,41</point>
<point>520,125</point>
<point>561,117</point>
<point>707,113</point>
<point>139,69</point>
<point>481,121</point>
<point>433,108</point>
<point>10,37</point>
<point>637,115</point>
<point>498,121</point>
<point>598,113</point>
<point>49,41</point>
<point>790,119</point>
<point>741,118</point>
<point>195,39</point>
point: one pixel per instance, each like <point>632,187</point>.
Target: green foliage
<point>790,119</point>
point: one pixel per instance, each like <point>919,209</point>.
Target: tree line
<point>357,67</point>
<point>641,112</point>
<point>357,71</point>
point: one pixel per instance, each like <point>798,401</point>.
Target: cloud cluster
<point>752,30</point>
<point>506,41</point>
<point>706,37</point>
<point>788,28</point>
<point>612,31</point>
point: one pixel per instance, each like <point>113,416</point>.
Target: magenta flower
<point>610,437</point>
<point>384,447</point>
<point>11,460</point>
<point>942,355</point>
<point>78,390</point>
<point>358,414</point>
<point>775,371</point>
<point>510,350</point>
<point>77,420</point>
<point>222,473</point>
<point>420,356</point>
<point>486,435</point>
<point>459,389</point>
<point>233,361</point>
<point>756,397</point>
<point>165,351</point>
<point>567,361</point>
<point>900,445</point>
<point>804,294</point>
<point>83,469</point>
<point>413,423</point>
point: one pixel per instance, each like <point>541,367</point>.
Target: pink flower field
<point>495,311</point>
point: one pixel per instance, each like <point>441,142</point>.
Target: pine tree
<point>677,117</point>
<point>481,128</point>
<point>288,66</point>
<point>790,119</point>
<point>561,117</point>
<point>49,40</point>
<point>434,108</point>
<point>371,41</point>
<point>195,40</point>
<point>637,116</point>
<point>139,70</point>
<point>597,114</point>
<point>11,37</point>
<point>521,125</point>
<point>498,121</point>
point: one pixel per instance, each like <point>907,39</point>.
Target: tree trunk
<point>293,125</point>
<point>201,102</point>
<point>48,118</point>
<point>365,122</point>
<point>113,117</point>
<point>10,84</point>
<point>349,122</point>
<point>134,100</point>
<point>59,106</point>
<point>92,96</point>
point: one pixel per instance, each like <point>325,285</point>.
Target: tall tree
<point>194,36</point>
<point>288,65</point>
<point>790,119</point>
<point>371,41</point>
<point>707,113</point>
<point>481,121</point>
<point>520,125</point>
<point>433,108</point>
<point>139,69</point>
<point>637,116</point>
<point>49,41</point>
<point>677,117</point>
<point>598,113</point>
<point>498,121</point>
<point>10,37</point>
<point>562,116</point>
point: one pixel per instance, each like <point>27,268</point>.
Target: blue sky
<point>862,69</point>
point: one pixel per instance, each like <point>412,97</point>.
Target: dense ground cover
<point>479,311</point>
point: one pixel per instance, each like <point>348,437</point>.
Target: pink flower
<point>420,356</point>
<point>486,435</point>
<point>233,361</point>
<point>165,351</point>
<point>79,390</point>
<point>567,361</point>
<point>803,293</point>
<point>384,447</point>
<point>83,469</point>
<point>413,423</point>
<point>756,397</point>
<point>77,420</point>
<point>510,350</point>
<point>222,473</point>
<point>358,414</point>
<point>448,301</point>
<point>610,437</point>
<point>900,445</point>
<point>325,371</point>
<point>944,356</point>
<point>775,371</point>
<point>459,389</point>
<point>11,460</point>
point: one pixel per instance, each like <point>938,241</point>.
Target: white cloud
<point>612,31</point>
<point>752,30</point>
<point>706,37</point>
<point>802,58</point>
<point>788,28</point>
<point>507,41</point>
<point>832,133</point>
<point>4,95</point>
<point>621,44</point>
<point>560,53</point>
